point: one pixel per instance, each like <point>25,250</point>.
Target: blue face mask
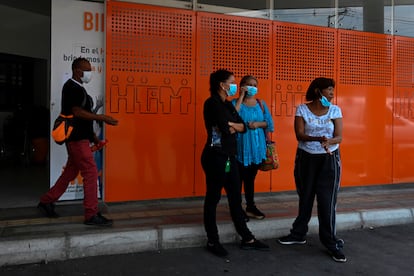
<point>232,90</point>
<point>325,102</point>
<point>251,90</point>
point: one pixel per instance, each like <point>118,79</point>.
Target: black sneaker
<point>338,256</point>
<point>217,249</point>
<point>253,212</point>
<point>99,220</point>
<point>256,245</point>
<point>289,239</point>
<point>340,243</point>
<point>47,209</point>
<point>246,218</point>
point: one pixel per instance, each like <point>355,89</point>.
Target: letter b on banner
<point>92,21</point>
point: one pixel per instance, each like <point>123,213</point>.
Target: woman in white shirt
<point>318,129</point>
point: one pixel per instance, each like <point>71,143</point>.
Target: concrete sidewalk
<point>26,237</point>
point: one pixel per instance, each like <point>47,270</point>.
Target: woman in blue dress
<point>251,145</point>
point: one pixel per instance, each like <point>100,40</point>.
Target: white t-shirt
<point>318,126</point>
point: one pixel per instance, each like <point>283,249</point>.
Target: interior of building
<point>24,101</point>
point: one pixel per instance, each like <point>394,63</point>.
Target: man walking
<point>77,102</point>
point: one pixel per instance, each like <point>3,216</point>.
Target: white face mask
<point>87,76</point>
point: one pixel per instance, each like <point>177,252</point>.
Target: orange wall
<point>158,62</point>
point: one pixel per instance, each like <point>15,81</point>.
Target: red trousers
<point>80,159</point>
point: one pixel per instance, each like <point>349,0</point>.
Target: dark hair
<point>77,62</point>
<point>320,84</point>
<point>216,77</point>
<point>246,79</point>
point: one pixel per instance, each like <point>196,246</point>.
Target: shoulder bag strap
<point>267,134</point>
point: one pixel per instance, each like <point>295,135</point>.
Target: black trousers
<point>248,176</point>
<point>317,175</point>
<point>213,164</point>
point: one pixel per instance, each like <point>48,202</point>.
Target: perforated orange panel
<point>404,62</point>
<point>151,40</point>
<point>302,53</point>
<point>150,90</point>
<point>237,43</point>
<point>241,45</point>
<point>403,125</point>
<point>158,62</point>
<point>365,58</point>
<point>365,74</point>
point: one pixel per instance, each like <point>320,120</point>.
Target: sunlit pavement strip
<point>43,239</point>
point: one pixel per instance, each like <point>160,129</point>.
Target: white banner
<point>77,30</point>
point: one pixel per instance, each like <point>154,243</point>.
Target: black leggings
<point>248,176</point>
<point>213,164</point>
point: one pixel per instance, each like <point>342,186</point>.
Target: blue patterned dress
<point>251,145</point>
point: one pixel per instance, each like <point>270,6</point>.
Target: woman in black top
<point>219,163</point>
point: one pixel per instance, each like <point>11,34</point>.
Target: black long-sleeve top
<point>217,114</point>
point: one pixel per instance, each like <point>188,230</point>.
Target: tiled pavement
<point>26,237</point>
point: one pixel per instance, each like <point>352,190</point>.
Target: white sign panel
<point>77,31</point>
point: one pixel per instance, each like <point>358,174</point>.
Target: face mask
<point>251,90</point>
<point>232,90</point>
<point>87,76</point>
<point>325,102</point>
